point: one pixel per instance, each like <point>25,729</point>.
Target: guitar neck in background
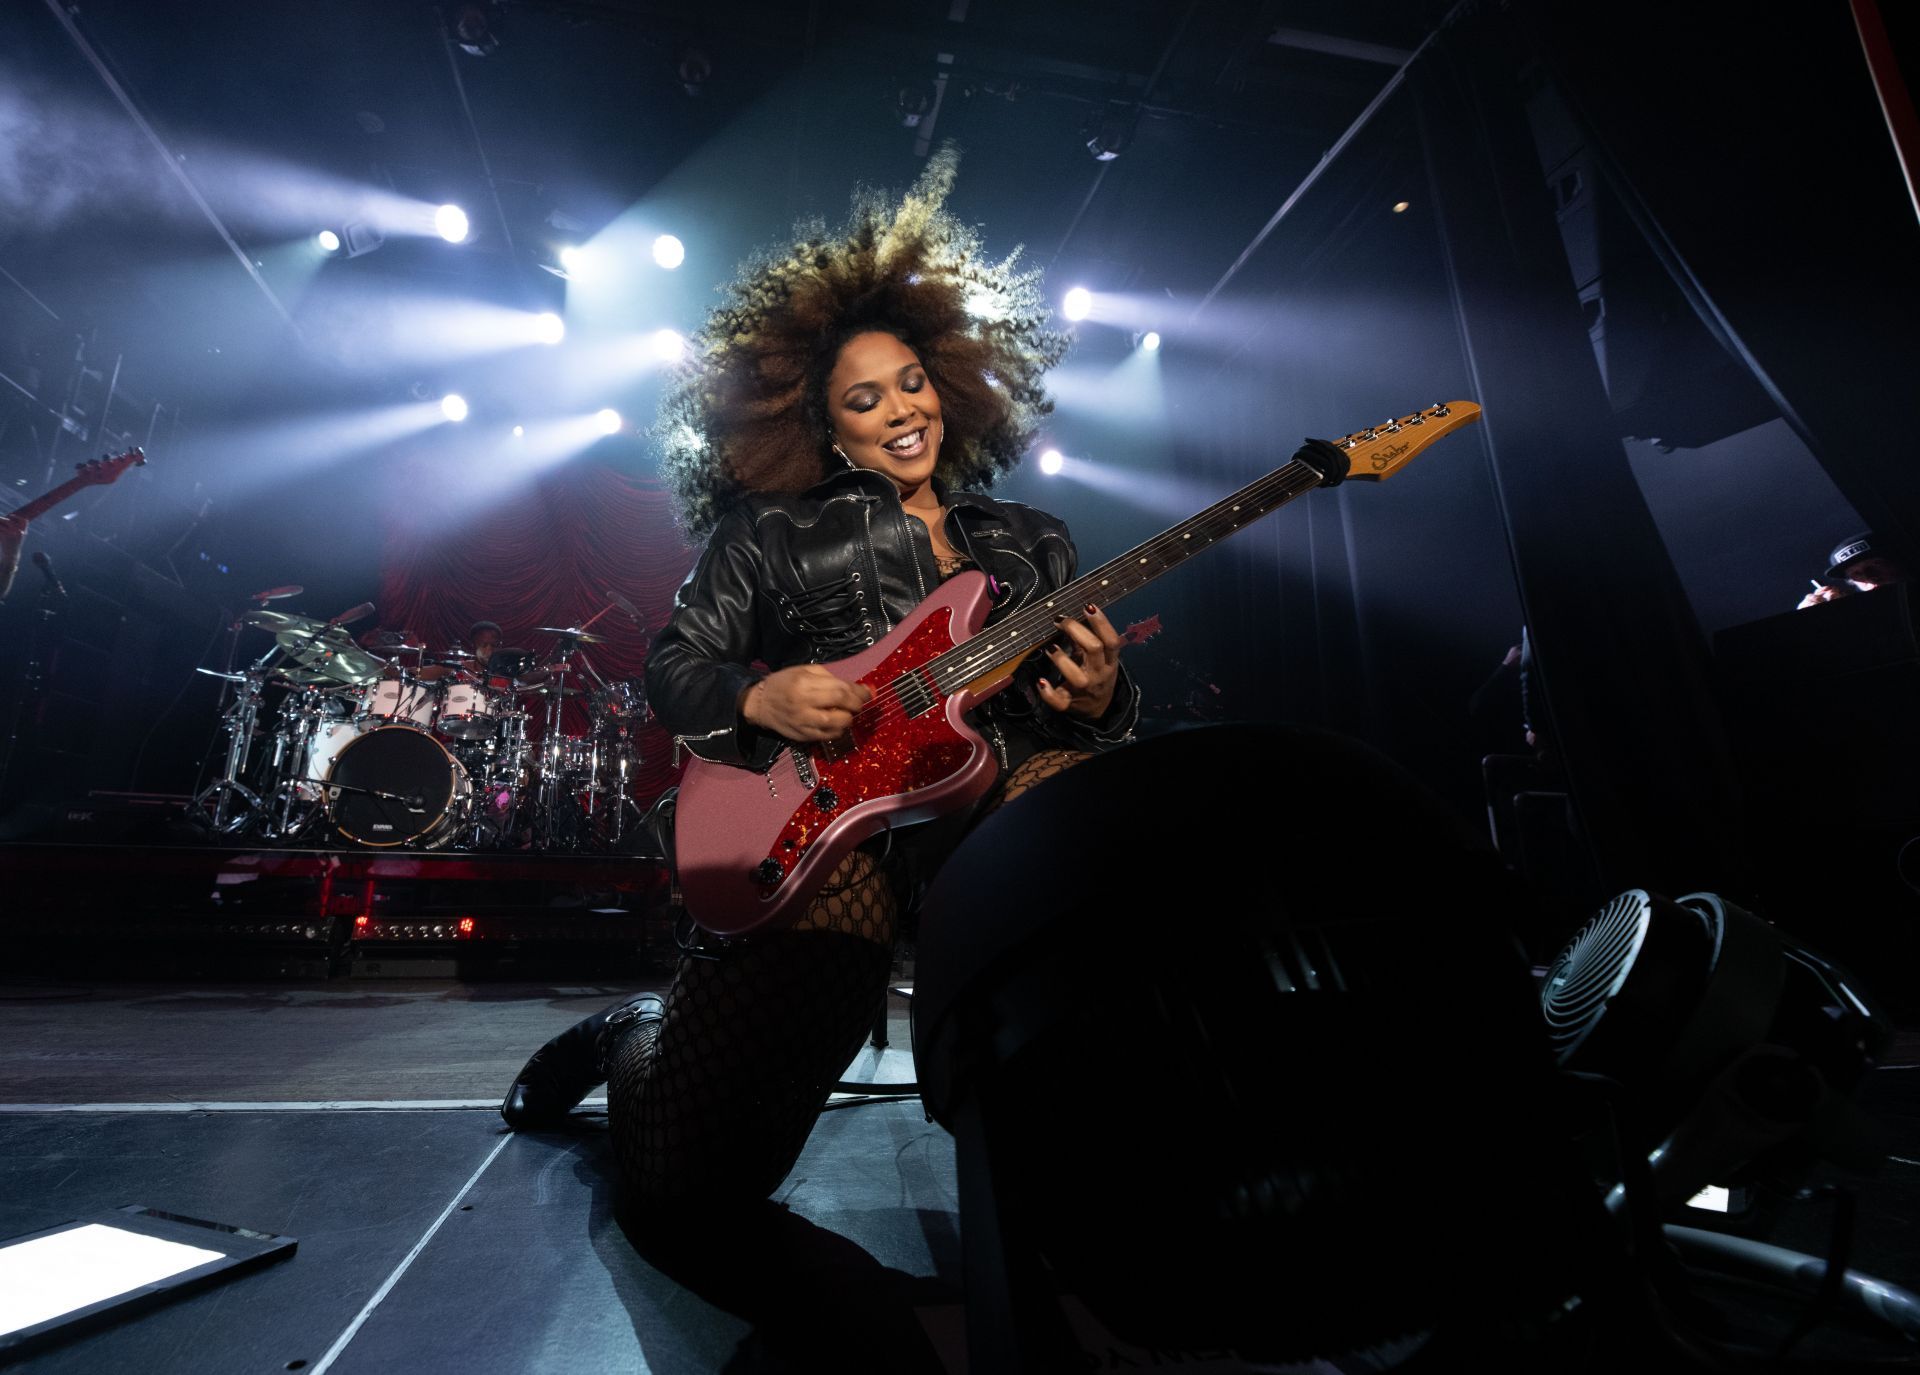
<point>46,501</point>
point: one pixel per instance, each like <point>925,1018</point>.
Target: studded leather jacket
<point>821,575</point>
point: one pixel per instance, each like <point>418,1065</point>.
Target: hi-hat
<point>572,633</point>
<point>391,639</point>
<point>274,594</point>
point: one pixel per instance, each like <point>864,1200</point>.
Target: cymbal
<point>303,677</point>
<point>450,655</point>
<point>547,689</point>
<point>277,621</point>
<point>573,633</point>
<point>274,594</point>
<point>335,657</point>
<point>389,639</point>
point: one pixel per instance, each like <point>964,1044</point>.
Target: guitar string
<point>1125,570</point>
<point>1027,624</point>
<point>979,660</point>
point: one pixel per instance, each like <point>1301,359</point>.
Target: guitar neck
<point>993,652</point>
<point>46,501</point>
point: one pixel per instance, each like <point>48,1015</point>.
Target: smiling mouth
<point>910,445</point>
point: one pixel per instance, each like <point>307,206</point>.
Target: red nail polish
<point>1092,610</point>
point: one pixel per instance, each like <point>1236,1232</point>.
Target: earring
<point>843,457</point>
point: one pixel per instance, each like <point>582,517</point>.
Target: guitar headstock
<point>1141,631</point>
<point>98,472</point>
<point>1379,452</point>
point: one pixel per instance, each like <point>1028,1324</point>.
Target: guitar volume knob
<point>826,799</point>
<point>767,872</point>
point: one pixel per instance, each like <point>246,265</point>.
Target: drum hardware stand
<point>623,760</point>
<point>301,720</point>
<point>239,720</point>
<point>547,803</point>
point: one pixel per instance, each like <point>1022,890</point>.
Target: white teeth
<point>905,441</point>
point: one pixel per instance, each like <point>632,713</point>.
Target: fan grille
<point>1592,969</point>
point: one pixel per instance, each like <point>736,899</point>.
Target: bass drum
<point>397,786</point>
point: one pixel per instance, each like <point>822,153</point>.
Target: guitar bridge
<point>804,767</point>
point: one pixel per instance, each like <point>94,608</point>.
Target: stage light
<point>1113,132</point>
<point>915,101</point>
<point>669,252</point>
<point>695,69</point>
<point>454,406</point>
<point>666,345</point>
<point>519,431</point>
<point>1150,341</point>
<point>1051,461</point>
<point>363,237</point>
<point>474,30</point>
<point>1077,304</point>
<point>328,241</point>
<point>549,328</point>
<point>450,222</point>
<point>573,258</point>
<point>608,420</point>
<point>1400,207</point>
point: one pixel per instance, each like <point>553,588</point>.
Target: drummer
<point>483,637</point>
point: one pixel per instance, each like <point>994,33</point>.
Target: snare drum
<point>470,711</point>
<point>399,701</point>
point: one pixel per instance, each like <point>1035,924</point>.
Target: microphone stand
<point>32,677</point>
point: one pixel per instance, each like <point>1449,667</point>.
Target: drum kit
<point>374,743</point>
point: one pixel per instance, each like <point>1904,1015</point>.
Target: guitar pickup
<point>916,693</point>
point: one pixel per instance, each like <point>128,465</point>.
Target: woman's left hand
<point>1084,673</point>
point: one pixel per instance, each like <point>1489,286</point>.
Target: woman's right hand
<point>804,702</point>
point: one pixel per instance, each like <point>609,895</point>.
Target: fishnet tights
<point>710,1106</point>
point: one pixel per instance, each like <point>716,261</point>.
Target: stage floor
<point>358,1116</point>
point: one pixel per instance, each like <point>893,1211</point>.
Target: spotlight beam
<point>173,163</point>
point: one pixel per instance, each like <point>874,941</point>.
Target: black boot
<point>571,1065</point>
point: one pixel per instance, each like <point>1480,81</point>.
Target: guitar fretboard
<point>1033,626</point>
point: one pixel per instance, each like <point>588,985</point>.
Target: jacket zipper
<point>873,560</point>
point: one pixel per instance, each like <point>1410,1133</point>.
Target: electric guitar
<point>753,846</point>
<point>95,472</point>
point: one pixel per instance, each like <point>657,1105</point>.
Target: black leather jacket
<point>821,575</point>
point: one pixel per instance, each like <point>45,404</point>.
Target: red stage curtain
<point>545,558</point>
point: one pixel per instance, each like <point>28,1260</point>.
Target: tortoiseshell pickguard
<point>889,755</point>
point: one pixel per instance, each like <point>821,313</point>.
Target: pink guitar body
<point>753,847</point>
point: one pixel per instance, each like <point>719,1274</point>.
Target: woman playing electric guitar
<point>830,441</point>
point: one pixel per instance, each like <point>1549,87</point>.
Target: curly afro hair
<point>747,411</point>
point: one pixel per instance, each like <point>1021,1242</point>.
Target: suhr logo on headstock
<point>1386,456</point>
